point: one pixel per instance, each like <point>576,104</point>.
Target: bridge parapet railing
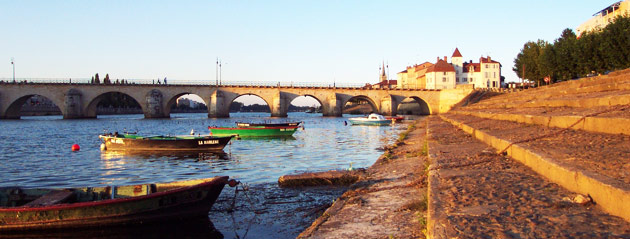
<point>210,83</point>
<point>178,82</point>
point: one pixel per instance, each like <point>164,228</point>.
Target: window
<point>486,74</point>
<point>457,79</point>
<point>494,75</point>
<point>470,79</point>
<point>486,66</point>
<point>464,79</point>
<point>443,79</point>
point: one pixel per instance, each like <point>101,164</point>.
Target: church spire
<point>383,75</point>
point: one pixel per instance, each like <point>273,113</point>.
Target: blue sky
<point>288,41</point>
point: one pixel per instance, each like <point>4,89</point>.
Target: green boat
<point>253,131</point>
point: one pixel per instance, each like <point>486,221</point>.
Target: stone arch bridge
<point>80,100</point>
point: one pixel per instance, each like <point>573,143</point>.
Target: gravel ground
<point>485,195</point>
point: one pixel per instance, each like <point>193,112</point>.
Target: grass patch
<point>425,149</point>
<point>421,219</point>
<point>402,136</point>
<point>387,155</point>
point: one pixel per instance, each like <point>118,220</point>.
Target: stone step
<point>602,88</point>
<point>476,193</point>
<point>608,99</point>
<point>587,163</point>
<point>610,120</point>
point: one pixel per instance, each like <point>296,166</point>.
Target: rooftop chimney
<point>444,58</point>
<point>489,58</point>
<point>438,58</point>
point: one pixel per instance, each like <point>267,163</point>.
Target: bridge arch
<point>291,99</point>
<point>308,96</point>
<point>413,105</point>
<point>266,101</point>
<point>173,101</point>
<point>91,108</point>
<point>13,111</point>
<point>373,104</point>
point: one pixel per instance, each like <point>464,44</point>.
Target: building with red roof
<point>414,77</point>
<point>443,75</point>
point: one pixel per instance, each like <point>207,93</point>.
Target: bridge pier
<point>217,107</point>
<point>331,107</point>
<point>72,106</point>
<point>279,105</point>
<point>388,106</point>
<point>154,107</point>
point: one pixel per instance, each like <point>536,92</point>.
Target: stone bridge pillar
<point>154,107</point>
<point>388,106</point>
<point>279,105</point>
<point>218,107</point>
<point>72,106</point>
<point>332,106</point>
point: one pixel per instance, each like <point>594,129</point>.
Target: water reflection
<point>200,227</point>
<point>173,155</point>
<point>268,138</point>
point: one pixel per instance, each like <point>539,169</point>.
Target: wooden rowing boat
<point>170,143</point>
<point>23,209</point>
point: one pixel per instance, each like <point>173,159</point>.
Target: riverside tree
<point>572,56</point>
<point>528,64</point>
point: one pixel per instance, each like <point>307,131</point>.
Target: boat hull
<point>208,143</point>
<point>286,124</point>
<point>253,131</point>
<point>178,203</point>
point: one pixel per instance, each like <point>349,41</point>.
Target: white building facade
<point>484,74</point>
<point>441,75</point>
<point>604,17</point>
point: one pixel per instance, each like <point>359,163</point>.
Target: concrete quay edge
<point>612,196</point>
<point>591,124</point>
<point>435,217</point>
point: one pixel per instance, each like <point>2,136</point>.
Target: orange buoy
<point>76,147</point>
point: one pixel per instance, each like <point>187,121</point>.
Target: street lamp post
<point>13,64</point>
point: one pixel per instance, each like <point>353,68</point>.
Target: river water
<point>36,151</point>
